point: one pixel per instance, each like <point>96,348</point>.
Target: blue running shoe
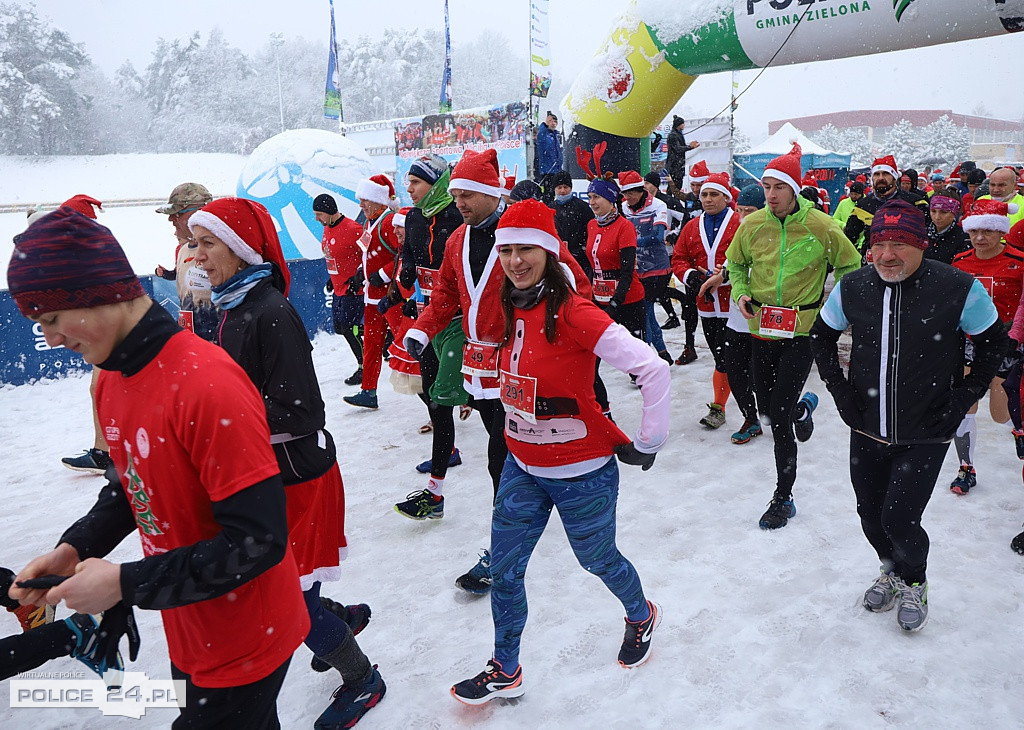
<point>489,684</point>
<point>749,430</point>
<point>778,513</point>
<point>85,629</point>
<point>803,425</point>
<point>478,579</point>
<point>454,460</point>
<point>351,703</point>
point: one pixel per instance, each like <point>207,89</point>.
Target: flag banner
<point>540,52</point>
<point>332,97</point>
<point>446,80</point>
<point>501,128</point>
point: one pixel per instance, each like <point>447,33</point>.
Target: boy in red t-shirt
<point>198,480</point>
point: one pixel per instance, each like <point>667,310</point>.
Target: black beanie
<point>677,120</point>
<point>324,203</point>
<point>653,178</point>
<point>562,177</point>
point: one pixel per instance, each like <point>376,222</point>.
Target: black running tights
<point>736,351</point>
<point>442,417</point>
<point>893,485</point>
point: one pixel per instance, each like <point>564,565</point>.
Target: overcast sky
<point>959,76</point>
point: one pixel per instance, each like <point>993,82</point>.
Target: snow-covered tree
<point>904,143</point>
<point>944,140</point>
<point>849,141</point>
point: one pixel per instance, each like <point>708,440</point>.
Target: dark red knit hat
<point>68,261</point>
<point>900,222</point>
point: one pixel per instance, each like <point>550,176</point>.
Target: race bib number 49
<point>480,359</point>
<point>778,322</point>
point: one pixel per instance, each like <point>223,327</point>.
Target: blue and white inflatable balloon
<point>289,170</point>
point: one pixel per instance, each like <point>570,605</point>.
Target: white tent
<point>782,142</point>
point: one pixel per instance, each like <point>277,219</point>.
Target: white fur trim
<point>699,179</point>
<point>780,175</point>
<point>226,234</point>
<point>988,222</point>
<point>720,188</point>
<point>369,190</point>
<point>527,237</point>
<point>398,220</point>
<point>464,183</point>
<point>632,186</point>
<point>885,168</point>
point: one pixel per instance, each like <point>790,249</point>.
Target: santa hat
<point>378,189</point>
<point>955,172</point>
<point>699,172</point>
<point>510,182</point>
<point>630,180</point>
<point>246,228</point>
<point>528,223</point>
<point>885,164</point>
<point>1020,180</point>
<point>809,180</point>
<point>84,205</point>
<point>478,172</point>
<point>861,179</point>
<point>989,215</point>
<point>786,168</point>
<point>398,219</point>
<point>718,181</point>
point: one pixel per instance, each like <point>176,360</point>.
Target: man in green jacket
<point>777,264</point>
<point>847,204</point>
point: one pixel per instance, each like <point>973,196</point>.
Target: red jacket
<point>382,248</point>
<point>482,320</point>
<point>693,251</point>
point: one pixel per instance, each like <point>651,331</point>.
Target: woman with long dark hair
<point>562,448</point>
<point>240,251</point>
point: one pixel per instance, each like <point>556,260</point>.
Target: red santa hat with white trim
<point>718,181</point>
<point>378,189</point>
<point>630,180</point>
<point>989,215</point>
<point>699,172</point>
<point>528,223</point>
<point>885,164</point>
<point>398,219</point>
<point>246,228</point>
<point>510,182</point>
<point>786,168</point>
<point>478,172</point>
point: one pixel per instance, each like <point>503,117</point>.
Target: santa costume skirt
<point>316,527</point>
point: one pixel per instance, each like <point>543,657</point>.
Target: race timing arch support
<point>659,47</point>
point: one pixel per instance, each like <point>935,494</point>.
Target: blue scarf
<point>232,292</point>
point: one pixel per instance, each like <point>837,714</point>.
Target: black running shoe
<point>1018,544</point>
<point>778,513</point>
<point>636,644</point>
<point>357,616</point>
<point>91,461</point>
<point>355,378</point>
<point>803,424</point>
<point>351,703</point>
<point>489,684</point>
<point>478,579</point>
<point>423,505</point>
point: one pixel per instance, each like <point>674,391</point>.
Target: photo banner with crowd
<point>502,128</point>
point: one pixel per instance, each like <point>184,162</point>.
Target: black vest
<point>907,347</point>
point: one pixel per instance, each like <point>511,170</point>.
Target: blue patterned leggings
<point>586,506</point>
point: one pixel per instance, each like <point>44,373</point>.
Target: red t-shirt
<point>603,246</point>
<point>1002,277</point>
<point>570,426</point>
<point>342,254</point>
<point>187,430</point>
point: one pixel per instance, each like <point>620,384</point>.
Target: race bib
<point>519,395</point>
<point>425,278</point>
<point>778,322</point>
<point>364,241</point>
<point>989,283</point>
<point>185,320</point>
<point>604,290</point>
<point>480,359</point>
<point>332,265</point>
<point>196,279</point>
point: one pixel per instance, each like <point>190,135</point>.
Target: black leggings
<point>492,413</point>
<point>442,417</point>
<point>736,350</point>
<point>688,305</point>
<point>780,369</point>
<point>631,316</point>
<point>714,332</point>
<point>893,485</point>
<point>250,706</point>
<point>22,652</point>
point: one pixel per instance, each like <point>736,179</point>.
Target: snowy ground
<point>760,630</point>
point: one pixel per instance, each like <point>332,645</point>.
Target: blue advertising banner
<point>332,94</point>
<point>445,104</point>
<point>501,128</point>
<point>25,357</point>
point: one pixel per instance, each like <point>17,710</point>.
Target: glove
<point>628,454</point>
<point>410,310</point>
<point>329,286</point>
<point>951,410</point>
<point>693,280</point>
<point>355,282</point>
<point>385,304</point>
<point>848,403</point>
<point>407,277</point>
<point>118,621</point>
<point>375,279</point>
<point>414,347</point>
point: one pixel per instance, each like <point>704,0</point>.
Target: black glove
<point>848,403</point>
<point>375,279</point>
<point>118,621</point>
<point>614,304</point>
<point>329,286</point>
<point>693,280</point>
<point>414,347</point>
<point>950,412</point>
<point>627,454</point>
<point>355,282</point>
<point>410,310</point>
<point>385,304</point>
<point>407,277</point>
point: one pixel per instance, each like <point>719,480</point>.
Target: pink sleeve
<point>626,353</point>
<point>1017,328</point>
